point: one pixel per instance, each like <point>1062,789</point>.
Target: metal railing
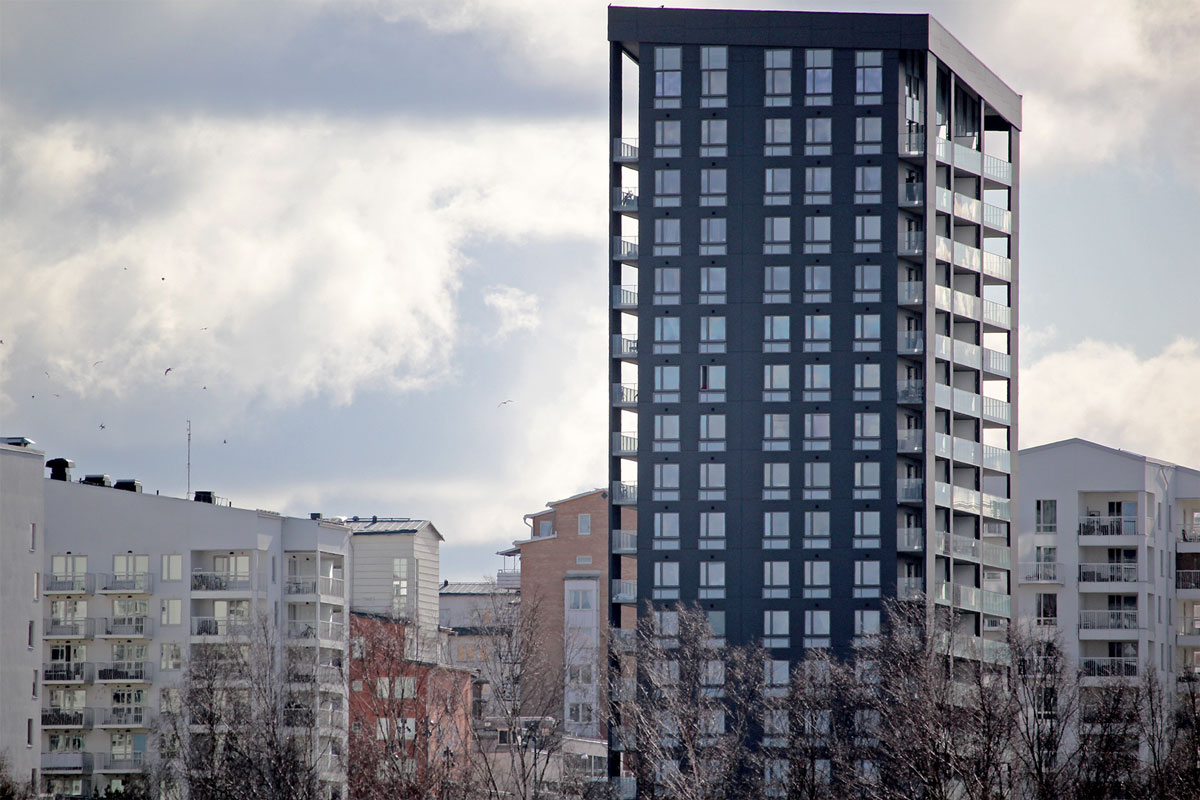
<point>67,762</point>
<point>624,591</point>
<point>1041,572</point>
<point>125,716</point>
<point>220,581</point>
<point>624,345</point>
<point>625,248</point>
<point>1187,579</point>
<point>120,762</point>
<point>625,149</point>
<point>1108,526</point>
<point>1108,573</point>
<point>1109,667</point>
<point>73,583</point>
<point>625,394</point>
<point>912,194</point>
<point>81,628</point>
<point>129,671</point>
<point>220,626</point>
<point>997,169</point>
<point>67,717</point>
<point>131,627</point>
<point>1108,620</point>
<point>68,672</point>
<point>130,582</point>
<point>625,198</point>
<point>624,492</point>
<point>625,296</point>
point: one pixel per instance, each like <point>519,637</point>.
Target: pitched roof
<point>380,525</point>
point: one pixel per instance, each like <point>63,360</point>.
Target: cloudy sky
<point>353,229</point>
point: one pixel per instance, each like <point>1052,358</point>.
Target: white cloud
<point>272,260</point>
<point>518,310</point>
<point>1107,393</point>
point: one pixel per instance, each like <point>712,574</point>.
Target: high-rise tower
<point>813,270</point>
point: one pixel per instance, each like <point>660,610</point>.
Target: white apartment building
<point>21,529</point>
<point>1109,555</point>
<point>133,582</point>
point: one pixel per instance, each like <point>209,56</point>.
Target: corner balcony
<point>910,441</point>
<point>968,208</point>
<point>625,199</point>
<point>1102,577</point>
<point>68,628</point>
<point>1041,572</point>
<point>61,672</point>
<point>910,490</point>
<point>910,540</point>
<point>909,588</point>
<point>912,145</point>
<point>996,363</point>
<point>78,583</point>
<point>624,542</point>
<point>625,151</point>
<point>623,592</point>
<point>127,583</point>
<point>625,297</point>
<point>625,248</point>
<point>126,627</point>
<point>997,169</point>
<point>1108,624</point>
<point>67,763</point>
<point>63,718</point>
<point>997,218</point>
<point>123,672</point>
<point>997,266</point>
<point>625,395</point>
<point>625,444</point>
<point>910,392</point>
<point>221,626</point>
<point>625,347</point>
<point>910,293</point>
<point>910,343</point>
<point>624,492</point>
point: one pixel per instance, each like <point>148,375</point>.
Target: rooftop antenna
<point>189,459</point>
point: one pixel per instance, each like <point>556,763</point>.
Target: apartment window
<point>816,431</point>
<point>818,136</point>
<point>666,384</point>
<point>666,482</point>
<point>817,333</point>
<point>866,382</point>
<point>776,480</point>
<point>866,529</point>
<point>712,189</point>
<point>666,530</point>
<point>31,634</point>
<point>32,537</point>
<point>172,611</point>
<point>585,524</point>
<point>400,582</point>
<point>714,137</point>
<point>1046,608</point>
<point>866,622</point>
<point>777,235</point>
<point>868,136</point>
<point>867,234</point>
<point>775,726</point>
<point>775,530</point>
<point>666,286</point>
<point>818,77</point>
<point>777,333</point>
<point>666,188</point>
<point>867,283</point>
<point>667,77</point>
<point>583,560</point>
<point>776,579</point>
<point>579,599</point>
<point>171,656</point>
<point>866,480</point>
<point>172,567</point>
<point>866,578</point>
<point>667,134</point>
<point>817,233</point>
<point>866,430</point>
<point>713,675</point>
<point>777,284</point>
<point>776,379</point>
<point>778,137</point>
<point>712,530</point>
<point>778,65</point>
<point>712,285</point>
<point>714,77</point>
<point>712,334</point>
<point>818,283</point>
<point>545,528</point>
<point>666,237</point>
<point>580,713</point>
<point>777,186</point>
<point>712,580</point>
<point>666,433</point>
<point>818,185</point>
<point>712,481</point>
<point>868,77</point>
<point>816,628</point>
<point>816,580</point>
<point>1046,516</point>
<point>666,335</point>
<point>816,480</point>
<point>868,184</point>
<point>776,629</point>
<point>867,333</point>
<point>712,383</point>
<point>712,432</point>
<point>666,580</point>
<point>816,383</point>
<point>37,586</point>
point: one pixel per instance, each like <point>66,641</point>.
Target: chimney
<point>60,469</point>
<point>315,515</point>
<point>128,485</point>
<point>97,480</point>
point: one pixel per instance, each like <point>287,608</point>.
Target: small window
<point>714,138</point>
<point>816,383</point>
<point>580,599</point>
<point>32,634</point>
<point>817,332</point>
<point>666,530</point>
<point>818,185</point>
<point>817,431</point>
<point>816,628</point>
<point>817,234</point>
<point>712,481</point>
<point>776,579</point>
<point>818,283</point>
<point>866,621</point>
<point>667,138</point>
<point>816,580</point>
<point>666,188</point>
<point>868,136</point>
<point>32,537</point>
<point>777,186</point>
<point>585,524</point>
<point>818,77</point>
<point>666,237</point>
<point>666,580</point>
<point>713,187</point>
<point>545,528</point>
<point>777,235</point>
<point>666,286</point>
<point>816,480</point>
<point>666,433</point>
<point>666,335</point>
<point>778,65</point>
<point>818,136</point>
<point>777,285</point>
<point>666,482</point>
<point>712,285</point>
<point>1047,516</point>
<point>778,137</point>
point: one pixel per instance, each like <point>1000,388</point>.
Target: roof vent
<point>16,441</point>
<point>315,515</point>
<point>374,518</point>
<point>205,497</point>
<point>97,480</point>
<point>128,485</point>
<point>60,468</point>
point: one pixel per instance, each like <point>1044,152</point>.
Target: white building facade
<point>1109,557</point>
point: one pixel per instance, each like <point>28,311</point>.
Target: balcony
<point>996,410</point>
<point>1187,579</point>
<point>1108,573</point>
<point>124,717</point>
<point>997,507</point>
<point>625,444</point>
<point>625,248</point>
<point>624,542</point>
<point>910,441</point>
<point>997,315</point>
<point>77,583</point>
<point>68,672</point>
<point>910,490</point>
<point>910,392</point>
<point>220,626</point>
<point>967,159</point>
<point>968,208</point>
<point>1108,526</point>
<point>1188,629</point>
<point>958,595</point>
<point>221,582</point>
<point>68,628</point>
<point>625,297</point>
<point>943,199</point>
<point>997,363</point>
<point>942,149</point>
<point>624,592</point>
<point>912,195</point>
<point>1108,620</point>
<point>625,199</point>
<point>911,244</point>
<point>67,718</point>
<point>625,395</point>
<point>997,218</point>
<point>997,169</point>
<point>910,293</point>
<point>300,584</point>
<point>1041,572</point>
<point>910,343</point>
<point>314,630</point>
<point>126,627</point>
<point>997,458</point>
<point>997,604</point>
<point>912,145</point>
<point>961,547</point>
<point>624,492</point>
<point>624,640</point>
<point>625,151</point>
<point>625,347</point>
<point>910,540</point>
<point>119,762</point>
<point>123,672</point>
<point>624,787</point>
<point>1109,667</point>
<point>909,588</point>
<point>996,555</point>
<point>127,583</point>
<point>77,763</point>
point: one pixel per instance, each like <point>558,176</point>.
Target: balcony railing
<point>1108,620</point>
<point>81,628</point>
<point>624,591</point>
<point>220,626</point>
<point>910,342</point>
<point>220,581</point>
<point>67,717</point>
<point>127,583</point>
<point>625,296</point>
<point>625,150</point>
<point>912,144</point>
<point>1189,533</point>
<point>333,587</point>
<point>910,489</point>
<point>1187,579</point>
<point>126,627</point>
<point>68,672</point>
<point>996,362</point>
<point>997,314</point>
<point>120,762</point>
<point>910,540</point>
<point>968,208</point>
<point>625,198</point>
<point>997,266</point>
<point>624,346</point>
<point>625,248</point>
<point>997,169</point>
<point>1108,526</point>
<point>75,583</point>
<point>624,542</point>
<point>910,441</point>
<point>312,629</point>
<point>908,588</point>
<point>124,671</point>
<point>67,762</point>
<point>625,394</point>
<point>912,194</point>
<point>1108,573</point>
<point>624,444</point>
<point>997,410</point>
<point>1041,572</point>
<point>1189,626</point>
<point>124,717</point>
<point>910,390</point>
<point>968,158</point>
<point>1110,667</point>
<point>911,243</point>
<point>300,584</point>
<point>910,293</point>
<point>624,492</point>
<point>997,217</point>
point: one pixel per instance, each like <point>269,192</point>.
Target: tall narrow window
<point>666,286</point>
<point>866,480</point>
<point>712,530</point>
<point>712,383</point>
<point>712,187</point>
<point>666,335</point>
<point>666,433</point>
<point>714,77</point>
<point>712,580</point>
<point>777,334</point>
<point>712,433</point>
<point>868,77</point>
<point>866,430</point>
<point>712,285</point>
<point>666,580</point>
<point>816,431</point>
<point>816,628</point>
<point>776,383</point>
<point>667,138</point>
<point>666,188</point>
<point>816,531</point>
<point>666,384</point>
<point>776,431</point>
<point>816,480</point>
<point>778,137</point>
<point>1047,516</point>
<point>868,283</point>
<point>817,333</point>
<point>818,77</point>
<point>868,136</point>
<point>816,383</point>
<point>779,78</point>
<point>866,382</point>
<point>866,529</point>
<point>714,138</point>
<point>867,333</point>
<point>666,530</point>
<point>866,578</point>
<point>778,186</point>
<point>666,482</point>
<point>667,77</point>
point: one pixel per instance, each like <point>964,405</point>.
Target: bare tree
<point>10,787</point>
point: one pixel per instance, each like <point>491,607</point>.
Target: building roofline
<point>1129,454</point>
<point>550,504</point>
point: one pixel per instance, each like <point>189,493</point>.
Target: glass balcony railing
<point>943,297</point>
<point>997,507</point>
<point>68,628</point>
<point>624,492</point>
<point>911,243</point>
<point>969,501</point>
<point>624,542</point>
<point>625,150</point>
<point>943,494</point>
<point>624,346</point>
<point>912,194</point>
<point>912,144</point>
<point>997,555</point>
<point>625,297</point>
<point>67,717</point>
<point>910,293</point>
<point>910,489</point>
<point>624,591</point>
<point>910,343</point>
<point>625,248</point>
<point>910,441</point>
<point>943,445</point>
<point>942,149</point>
<point>909,588</point>
<point>968,208</point>
<point>910,390</point>
<point>968,452</point>
<point>78,583</point>
<point>997,604</point>
<point>910,540</point>
<point>967,158</point>
<point>625,198</point>
<point>997,458</point>
<point>967,305</point>
<point>943,249</point>
<point>967,256</point>
<point>943,199</point>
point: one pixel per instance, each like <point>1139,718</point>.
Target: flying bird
<point>224,441</point>
<point>97,363</point>
<point>47,374</point>
<point>204,328</point>
<point>506,402</point>
<point>168,369</point>
<point>102,426</point>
